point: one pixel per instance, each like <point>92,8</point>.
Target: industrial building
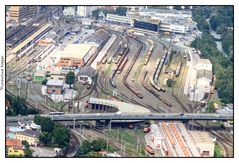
<point>203,79</point>
<point>204,143</point>
<point>54,86</point>
<point>76,55</point>
<point>121,20</point>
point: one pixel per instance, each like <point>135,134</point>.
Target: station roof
<point>29,39</point>
<point>76,50</point>
<point>123,107</point>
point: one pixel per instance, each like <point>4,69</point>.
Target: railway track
<point>131,88</point>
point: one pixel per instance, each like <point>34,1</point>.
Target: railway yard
<point>127,67</point>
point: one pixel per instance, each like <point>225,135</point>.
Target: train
<point>156,86</point>
<point>132,89</point>
<point>169,104</point>
<point>122,65</point>
<point>148,55</point>
<point>178,69</point>
<point>112,83</point>
<point>111,79</point>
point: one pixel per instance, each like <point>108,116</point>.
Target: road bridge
<point>130,116</point>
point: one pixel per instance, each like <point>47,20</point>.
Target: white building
<point>69,11</point>
<point>119,19</point>
<point>85,11</point>
<point>156,136</point>
<point>203,79</point>
<point>204,64</point>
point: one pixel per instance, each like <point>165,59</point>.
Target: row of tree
<point>118,11</point>
<point>88,148</point>
<point>18,106</point>
<point>53,135</point>
<point>222,66</point>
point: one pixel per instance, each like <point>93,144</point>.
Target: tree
<point>121,11</point>
<point>45,138</point>
<point>70,78</point>
<point>18,103</point>
<point>28,152</point>
<point>44,82</point>
<point>25,143</point>
<point>169,82</point>
<point>61,136</point>
<point>84,148</point>
<point>217,150</point>
<point>46,124</point>
<point>98,145</point>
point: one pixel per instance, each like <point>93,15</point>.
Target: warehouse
<point>203,143</point>
<point>76,55</point>
<point>203,79</point>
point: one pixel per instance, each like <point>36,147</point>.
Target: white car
<point>97,114</point>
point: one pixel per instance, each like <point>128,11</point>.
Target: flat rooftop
<point>55,82</point>
<point>201,137</point>
<point>76,50</point>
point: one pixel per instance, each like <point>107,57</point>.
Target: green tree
<point>46,124</point>
<point>61,136</point>
<point>28,152</point>
<point>169,82</point>
<point>44,82</point>
<point>98,145</point>
<point>70,78</point>
<point>17,104</point>
<point>217,150</point>
<point>121,11</point>
<point>84,148</point>
<point>45,138</point>
<point>25,143</point>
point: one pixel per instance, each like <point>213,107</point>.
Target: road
<point>131,116</point>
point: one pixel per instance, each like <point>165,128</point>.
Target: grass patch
<point>217,150</point>
<point>139,69</point>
